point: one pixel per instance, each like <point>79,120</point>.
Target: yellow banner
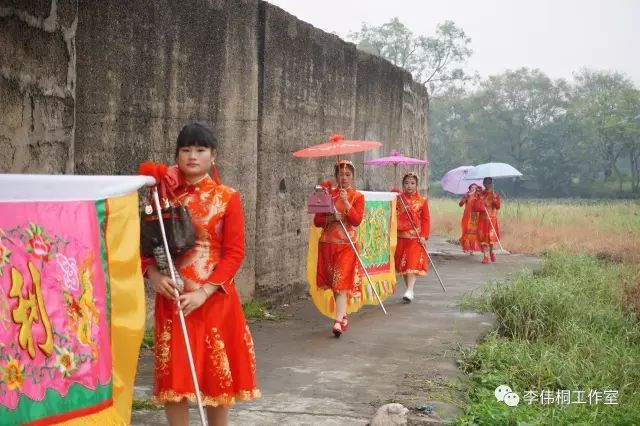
<point>377,235</point>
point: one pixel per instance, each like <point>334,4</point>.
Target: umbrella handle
<point>183,325</point>
<point>494,229</point>
<point>355,250</point>
<point>406,209</point>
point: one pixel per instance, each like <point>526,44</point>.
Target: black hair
<point>339,166</point>
<point>410,175</point>
<point>488,180</point>
<point>197,133</point>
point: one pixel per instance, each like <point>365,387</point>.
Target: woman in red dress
<point>488,205</point>
<point>469,223</point>
<point>220,340</point>
<point>410,257</point>
<point>338,268</point>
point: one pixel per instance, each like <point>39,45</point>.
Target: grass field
<point>609,228</point>
<point>571,327</point>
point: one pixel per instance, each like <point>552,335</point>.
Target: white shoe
<point>408,296</point>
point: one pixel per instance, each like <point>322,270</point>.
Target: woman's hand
<point>338,216</point>
<point>162,284</point>
<point>192,300</point>
<point>343,195</point>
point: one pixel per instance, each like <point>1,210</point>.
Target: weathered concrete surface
<point>314,84</point>
<point>37,86</point>
<point>147,69</point>
<point>379,107</point>
<point>307,377</point>
<point>269,83</point>
<point>308,93</point>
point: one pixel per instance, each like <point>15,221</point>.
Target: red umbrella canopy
<point>337,145</point>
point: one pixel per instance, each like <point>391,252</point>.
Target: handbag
<point>178,227</point>
<point>320,201</point>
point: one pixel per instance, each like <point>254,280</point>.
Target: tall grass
<point>565,328</point>
<point>611,227</point>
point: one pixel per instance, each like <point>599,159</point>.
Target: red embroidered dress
<point>469,224</point>
<point>337,263</point>
<point>488,202</point>
<point>410,257</point>
<point>221,342</point>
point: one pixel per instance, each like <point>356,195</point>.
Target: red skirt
<point>222,349</point>
<point>488,234</point>
<point>410,257</point>
<point>337,268</point>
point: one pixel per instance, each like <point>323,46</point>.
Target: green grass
<point>144,404</point>
<point>565,328</point>
<point>147,339</point>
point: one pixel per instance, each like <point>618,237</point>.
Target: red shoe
<point>493,257</point>
<point>337,328</point>
<point>485,259</point>
<point>344,324</point>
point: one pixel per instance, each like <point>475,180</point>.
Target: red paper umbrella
<point>336,146</point>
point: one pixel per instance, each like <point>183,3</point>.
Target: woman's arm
<point>232,244</point>
<point>356,212</point>
<point>425,220</point>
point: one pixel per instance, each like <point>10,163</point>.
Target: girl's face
<point>194,161</point>
<point>473,189</point>
<point>344,177</point>
<point>410,185</point>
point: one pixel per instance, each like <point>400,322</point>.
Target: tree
<point>514,108</point>
<point>607,104</point>
<point>432,61</point>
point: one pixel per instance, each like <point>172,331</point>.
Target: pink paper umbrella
<point>393,160</point>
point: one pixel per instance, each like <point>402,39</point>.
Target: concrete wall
<point>37,85</point>
<point>308,93</point>
<point>313,85</point>
<point>145,69</point>
<point>268,82</point>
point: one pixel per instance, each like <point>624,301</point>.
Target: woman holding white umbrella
<point>489,204</point>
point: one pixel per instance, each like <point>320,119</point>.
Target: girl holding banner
<point>410,257</point>
<point>220,340</point>
<point>338,268</point>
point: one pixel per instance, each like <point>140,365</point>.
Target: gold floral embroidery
<point>224,400</point>
<point>252,351</point>
<point>218,356</point>
<point>163,350</point>
<point>335,275</point>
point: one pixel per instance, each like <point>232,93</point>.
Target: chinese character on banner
<point>611,397</point>
<point>595,396</point>
<point>547,397</point>
<point>30,309</point>
<point>579,399</point>
<point>530,396</point>
<point>563,397</point>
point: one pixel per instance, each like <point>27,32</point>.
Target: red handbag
<point>320,201</point>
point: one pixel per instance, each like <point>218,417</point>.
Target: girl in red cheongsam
<point>410,257</point>
<point>220,340</point>
<point>338,268</point>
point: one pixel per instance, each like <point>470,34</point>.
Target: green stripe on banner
<point>101,210</point>
<point>77,398</point>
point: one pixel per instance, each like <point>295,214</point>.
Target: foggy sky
<point>557,36</point>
